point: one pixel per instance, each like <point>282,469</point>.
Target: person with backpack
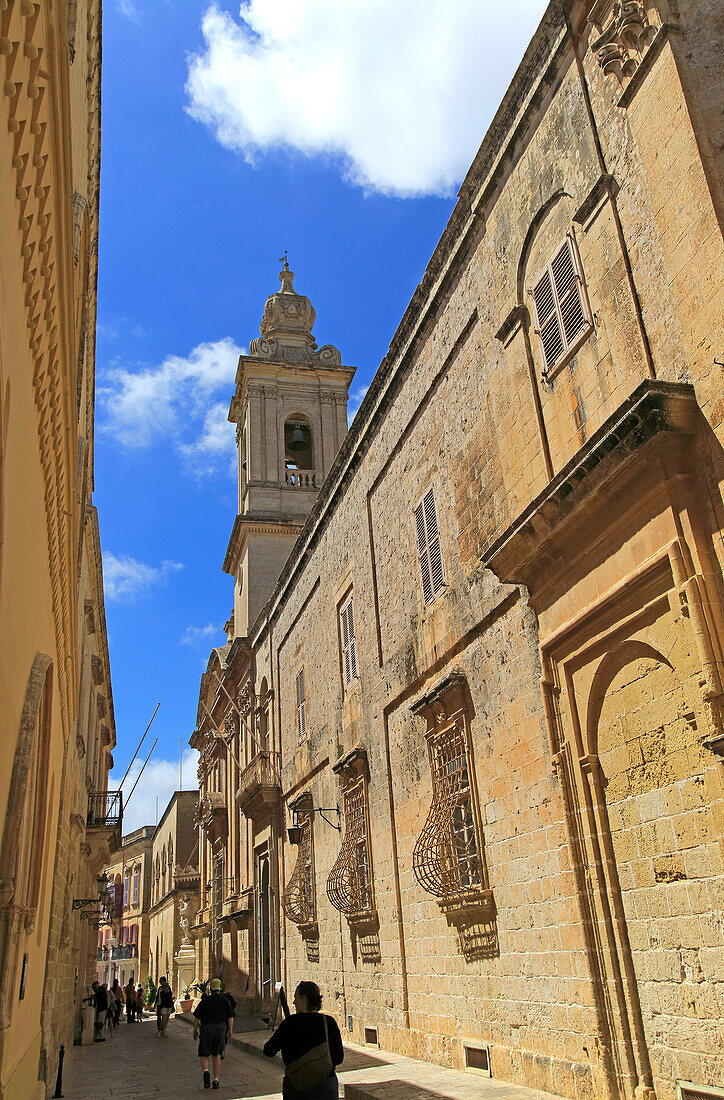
<point>164,1007</point>
<point>311,1047</point>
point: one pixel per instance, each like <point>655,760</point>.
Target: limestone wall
<point>579,511</point>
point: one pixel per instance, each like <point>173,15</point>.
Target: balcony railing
<point>301,479</point>
<point>261,780</point>
<point>105,810</point>
<point>123,952</point>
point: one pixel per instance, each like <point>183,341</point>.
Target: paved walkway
<point>135,1065</point>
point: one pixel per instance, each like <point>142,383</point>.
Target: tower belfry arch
<point>290,411</point>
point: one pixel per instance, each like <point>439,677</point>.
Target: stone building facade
<point>124,938</point>
<point>58,825</point>
<point>463,763</point>
<point>174,861</point>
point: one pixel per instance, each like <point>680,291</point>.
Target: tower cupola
<point>290,409</point>
<point>286,328</point>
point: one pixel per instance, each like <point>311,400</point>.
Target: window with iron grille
<point>349,642</point>
<point>298,899</point>
<point>447,859</point>
<point>349,886</point>
<point>428,547</point>
<point>561,307</point>
<point>301,706</point>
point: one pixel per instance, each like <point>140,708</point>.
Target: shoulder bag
<point>313,1067</point>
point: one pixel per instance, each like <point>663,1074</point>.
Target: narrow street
<point>135,1064</point>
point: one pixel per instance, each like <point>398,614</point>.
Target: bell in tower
<point>290,408</point>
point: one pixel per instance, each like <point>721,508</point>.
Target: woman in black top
<point>299,1033</point>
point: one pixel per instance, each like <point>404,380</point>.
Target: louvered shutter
<point>549,329</point>
<point>559,305</point>
<point>349,644</point>
<point>352,642</point>
<point>568,292</point>
<point>422,552</point>
<point>428,546</point>
<point>301,706</point>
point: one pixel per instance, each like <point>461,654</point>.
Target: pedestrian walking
<point>213,1021</point>
<point>164,1007</point>
<point>232,1001</point>
<point>99,1000</point>
<point>311,1047</point>
<point>130,1002</point>
<point>115,1001</point>
<point>140,1002</point>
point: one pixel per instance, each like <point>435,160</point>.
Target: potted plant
<point>186,1000</point>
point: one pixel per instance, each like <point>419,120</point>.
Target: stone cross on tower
<point>290,408</point>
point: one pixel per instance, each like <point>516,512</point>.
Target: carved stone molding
<point>627,31</point>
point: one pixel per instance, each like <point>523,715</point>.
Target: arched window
<point>298,444</point>
<point>23,843</point>
<point>263,712</point>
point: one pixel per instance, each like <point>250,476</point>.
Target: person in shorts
<point>164,1007</point>
<point>213,1018</point>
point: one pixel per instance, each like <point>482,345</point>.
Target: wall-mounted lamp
<point>103,895</point>
<point>294,831</point>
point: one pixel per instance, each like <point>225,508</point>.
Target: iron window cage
<point>562,312</point>
<point>298,899</point>
<point>350,882</point>
<point>448,858</point>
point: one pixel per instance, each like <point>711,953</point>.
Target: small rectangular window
<point>349,643</point>
<point>562,314</point>
<point>301,706</point>
<point>428,547</point>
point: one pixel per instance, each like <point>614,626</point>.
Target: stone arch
<point>537,222</point>
<point>263,728</point>
<point>23,842</point>
<point>298,459</point>
<point>613,663</point>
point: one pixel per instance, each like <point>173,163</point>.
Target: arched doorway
<point>264,927</point>
<point>23,843</point>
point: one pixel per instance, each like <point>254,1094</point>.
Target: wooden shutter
<point>428,547</point>
<point>349,643</point>
<point>561,313</point>
<point>301,706</point>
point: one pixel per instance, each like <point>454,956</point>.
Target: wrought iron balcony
<point>259,784</point>
<point>123,951</point>
<point>105,810</point>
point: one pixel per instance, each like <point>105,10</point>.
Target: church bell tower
<point>290,411</point>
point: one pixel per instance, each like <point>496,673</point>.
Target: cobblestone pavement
<point>135,1065</point>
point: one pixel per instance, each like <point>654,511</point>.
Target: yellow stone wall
<point>57,706</point>
<point>580,518</point>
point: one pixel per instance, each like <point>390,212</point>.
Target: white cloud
<point>400,91</point>
<point>177,400</point>
<point>159,781</point>
<point>355,400</point>
<point>215,443</point>
<point>129,9</point>
<point>199,635</point>
<point>125,578</point>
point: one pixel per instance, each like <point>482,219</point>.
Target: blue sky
<point>335,131</point>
